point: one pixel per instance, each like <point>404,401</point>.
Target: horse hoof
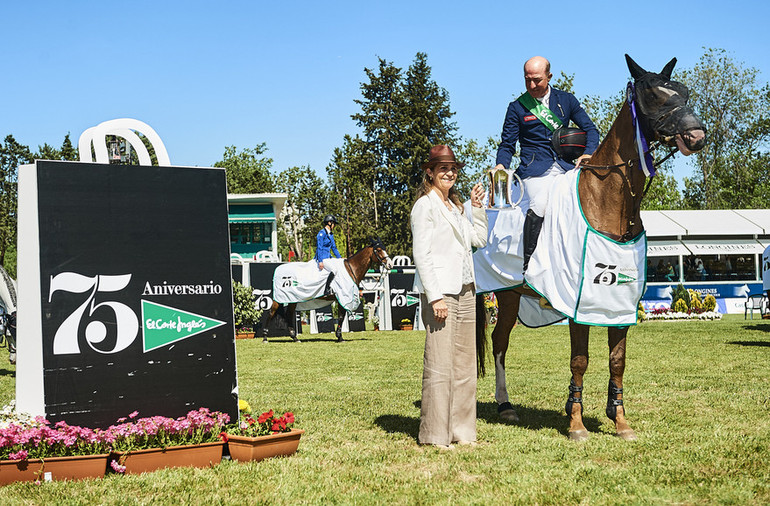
<point>627,435</point>
<point>578,435</point>
<point>297,340</point>
<point>264,341</point>
<point>509,415</point>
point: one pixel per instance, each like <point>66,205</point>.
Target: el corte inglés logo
<point>162,325</point>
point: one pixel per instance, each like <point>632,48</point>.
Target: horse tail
<point>481,336</point>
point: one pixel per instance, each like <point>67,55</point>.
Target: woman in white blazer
<point>442,238</point>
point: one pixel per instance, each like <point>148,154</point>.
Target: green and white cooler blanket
<point>303,283</point>
<point>583,274</point>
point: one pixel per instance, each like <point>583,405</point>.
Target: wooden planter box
<point>76,467</point>
<point>152,459</point>
<point>244,448</point>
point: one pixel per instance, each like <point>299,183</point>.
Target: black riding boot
<point>532,225</point>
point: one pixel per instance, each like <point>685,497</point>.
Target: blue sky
<point>206,75</point>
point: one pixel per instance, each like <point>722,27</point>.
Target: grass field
<point>697,394</point>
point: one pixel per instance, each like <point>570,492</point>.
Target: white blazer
<point>439,243</point>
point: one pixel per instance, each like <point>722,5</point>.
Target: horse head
<point>663,111</point>
<point>379,253</point>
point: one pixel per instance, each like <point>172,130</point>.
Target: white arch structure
<point>123,127</point>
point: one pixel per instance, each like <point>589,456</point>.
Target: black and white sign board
<point>125,299</point>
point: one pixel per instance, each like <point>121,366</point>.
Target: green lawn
<point>697,394</point>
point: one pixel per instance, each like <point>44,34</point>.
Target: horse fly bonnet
<point>568,143</point>
<point>662,104</point>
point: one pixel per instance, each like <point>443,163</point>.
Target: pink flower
<point>19,455</point>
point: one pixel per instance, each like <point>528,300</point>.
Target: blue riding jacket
<point>325,243</point>
<point>534,137</point>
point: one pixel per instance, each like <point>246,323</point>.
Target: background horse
<point>610,189</point>
<point>356,266</point>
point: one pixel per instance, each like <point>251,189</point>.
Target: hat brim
<point>427,165</point>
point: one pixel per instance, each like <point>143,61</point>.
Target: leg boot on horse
<point>615,409</point>
<point>500,337</point>
<point>578,365</point>
<point>338,330</point>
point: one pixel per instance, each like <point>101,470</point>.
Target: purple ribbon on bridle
<point>645,159</point>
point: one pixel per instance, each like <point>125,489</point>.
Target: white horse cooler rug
<point>302,282</point>
<point>583,274</point>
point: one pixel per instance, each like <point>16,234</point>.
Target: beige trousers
<point>448,408</point>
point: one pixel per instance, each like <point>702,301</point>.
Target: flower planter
<point>76,467</point>
<point>407,327</point>
<point>244,335</point>
<point>244,448</point>
<point>152,459</point>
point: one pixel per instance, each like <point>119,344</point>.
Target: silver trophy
<point>501,184</point>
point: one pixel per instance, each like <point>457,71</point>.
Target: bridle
<point>643,150</point>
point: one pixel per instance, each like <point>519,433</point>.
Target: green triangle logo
<point>411,300</point>
<point>164,325</point>
<point>623,279</point>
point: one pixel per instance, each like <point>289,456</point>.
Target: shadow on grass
<point>7,372</point>
<point>529,418</point>
<point>534,418</point>
<point>408,425</point>
<point>761,327</point>
<point>750,343</point>
<point>305,339</point>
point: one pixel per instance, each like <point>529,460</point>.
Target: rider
<point>325,244</point>
<point>530,121</point>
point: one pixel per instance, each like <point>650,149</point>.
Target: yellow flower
<point>243,405</point>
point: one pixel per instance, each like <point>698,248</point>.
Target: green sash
<point>544,114</point>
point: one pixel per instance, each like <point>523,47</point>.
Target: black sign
<point>403,301</point>
<point>136,298</point>
<point>325,319</point>
<point>236,272</point>
<point>261,276</point>
<point>356,322</point>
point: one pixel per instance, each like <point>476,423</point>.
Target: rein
<point>637,203</point>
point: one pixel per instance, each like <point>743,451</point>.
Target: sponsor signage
<point>403,301</point>
<point>128,303</point>
<point>261,276</point>
<point>324,318</point>
<point>356,321</point>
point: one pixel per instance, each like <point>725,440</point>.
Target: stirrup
<point>573,389</point>
<point>613,403</point>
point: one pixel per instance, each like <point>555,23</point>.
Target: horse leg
<point>508,311</point>
<point>616,338</point>
<point>578,335</point>
<point>338,332</point>
<point>266,321</point>
<point>291,321</point>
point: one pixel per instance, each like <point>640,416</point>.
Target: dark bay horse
<point>356,265</point>
<point>610,188</point>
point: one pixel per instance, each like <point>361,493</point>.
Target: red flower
<point>289,416</point>
<point>223,436</point>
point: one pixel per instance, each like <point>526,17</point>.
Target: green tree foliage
<point>305,207</point>
<point>247,170</point>
<point>12,154</point>
<point>731,171</point>
<point>402,115</point>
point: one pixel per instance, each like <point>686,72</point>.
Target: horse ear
<point>668,68</point>
<point>634,68</point>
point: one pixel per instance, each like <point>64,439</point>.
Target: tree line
<point>373,174</point>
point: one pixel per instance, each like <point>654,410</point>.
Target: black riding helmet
<point>329,218</point>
